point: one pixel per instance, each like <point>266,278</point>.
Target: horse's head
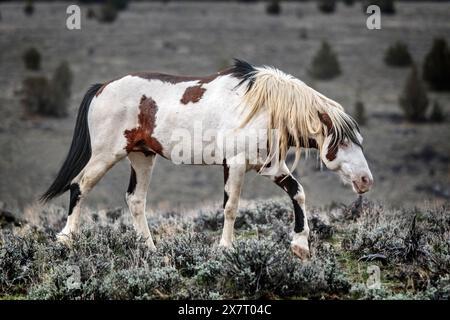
<point>342,152</point>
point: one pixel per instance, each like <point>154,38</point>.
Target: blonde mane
<point>294,111</point>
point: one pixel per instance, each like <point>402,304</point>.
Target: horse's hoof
<point>63,238</point>
<point>225,245</point>
<point>301,252</point>
<point>151,246</point>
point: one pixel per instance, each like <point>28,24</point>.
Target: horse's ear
<point>326,120</point>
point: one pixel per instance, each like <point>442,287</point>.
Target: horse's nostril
<point>366,181</point>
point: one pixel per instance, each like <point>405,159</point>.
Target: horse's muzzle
<point>363,184</point>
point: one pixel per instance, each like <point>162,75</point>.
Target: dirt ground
<point>410,163</point>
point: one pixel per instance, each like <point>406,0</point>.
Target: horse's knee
<point>230,211</point>
<point>135,204</point>
<point>300,196</point>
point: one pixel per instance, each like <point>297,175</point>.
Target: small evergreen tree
<point>28,9</point>
<point>325,64</point>
<point>61,84</point>
<point>36,96</point>
<point>436,66</point>
<point>108,13</point>
<point>413,99</point>
<point>349,2</point>
<point>119,4</point>
<point>398,55</point>
<point>32,59</point>
<point>360,113</point>
<point>386,6</point>
<point>90,13</point>
<point>273,7</point>
<point>326,6</point>
<point>48,98</point>
<point>437,114</point>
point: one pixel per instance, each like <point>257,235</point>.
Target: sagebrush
<point>107,260</point>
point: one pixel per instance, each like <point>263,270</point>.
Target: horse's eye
<point>343,144</point>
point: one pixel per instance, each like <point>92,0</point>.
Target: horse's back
<point>159,105</point>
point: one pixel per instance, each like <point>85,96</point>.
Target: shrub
<point>28,9</point>
<point>141,283</point>
<point>108,13</point>
<point>108,260</point>
<point>61,89</point>
<point>16,263</point>
<point>437,114</point>
<point>36,95</point>
<point>360,113</point>
<point>413,99</point>
<point>436,66</point>
<point>326,6</point>
<point>119,4</point>
<point>48,98</point>
<point>349,2</point>
<point>273,7</point>
<point>386,6</point>
<point>186,251</point>
<point>91,13</point>
<point>259,268</point>
<point>32,59</point>
<point>398,55</point>
<point>325,64</point>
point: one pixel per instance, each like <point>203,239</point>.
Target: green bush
<point>325,64</point>
<point>36,96</point>
<point>48,98</point>
<point>61,84</point>
<point>436,66</point>
<point>386,6</point>
<point>437,114</point>
<point>108,13</point>
<point>360,113</point>
<point>414,99</point>
<point>119,4</point>
<point>326,6</point>
<point>32,59</point>
<point>28,9</point>
<point>273,7</point>
<point>349,2</point>
<point>398,55</point>
<point>91,13</point>
<point>107,260</point>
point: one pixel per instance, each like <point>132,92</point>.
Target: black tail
<point>79,153</point>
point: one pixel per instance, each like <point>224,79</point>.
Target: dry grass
<point>108,261</point>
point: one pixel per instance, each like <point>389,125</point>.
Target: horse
<point>136,115</point>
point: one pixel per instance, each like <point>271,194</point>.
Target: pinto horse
<point>135,116</point>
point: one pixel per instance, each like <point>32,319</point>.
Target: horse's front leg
<point>284,179</point>
<point>294,189</point>
<point>233,179</point>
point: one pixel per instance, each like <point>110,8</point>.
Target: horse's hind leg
<point>141,170</point>
<point>94,170</point>
<point>233,178</point>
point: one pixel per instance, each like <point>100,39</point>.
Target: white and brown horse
<point>135,116</point>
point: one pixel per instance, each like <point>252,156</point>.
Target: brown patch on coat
<point>332,149</point>
<point>192,94</point>
<point>140,138</point>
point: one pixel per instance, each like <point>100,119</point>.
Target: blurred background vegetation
<point>395,81</point>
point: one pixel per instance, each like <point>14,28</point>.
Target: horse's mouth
<point>357,189</point>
